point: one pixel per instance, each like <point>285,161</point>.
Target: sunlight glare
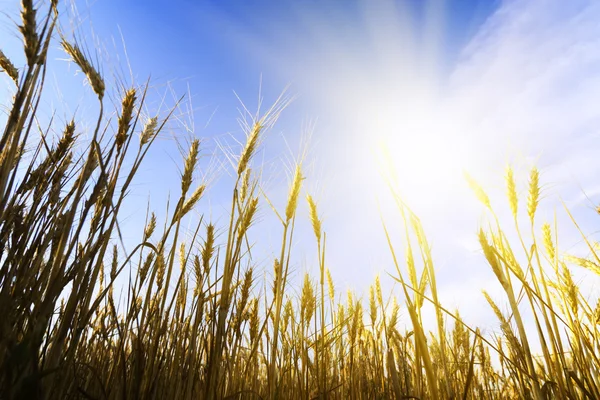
<point>425,149</point>
<point>386,89</point>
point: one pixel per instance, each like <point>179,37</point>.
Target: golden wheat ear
<point>534,193</point>
<point>31,38</point>
<point>94,78</point>
<point>7,66</point>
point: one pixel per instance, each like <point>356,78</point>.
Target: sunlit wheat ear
<point>569,287</point>
<point>146,267</point>
<point>410,266</point>
<point>481,195</point>
<point>534,193</point>
<point>372,305</point>
<point>94,78</point>
<point>307,307</point>
<point>350,301</point>
<point>585,263</point>
<point>548,243</point>
<point>198,276</point>
<point>253,320</point>
<point>208,248</point>
<point>160,271</point>
<point>292,203</point>
<point>191,202</point>
<point>250,148</point>
<point>190,165</point>
<point>148,131</point>
<point>492,259</point>
<point>511,191</point>
<point>495,308</point>
<point>355,323</point>
<point>314,217</point>
<point>393,320</point>
<point>248,216</point>
<point>66,141</point>
<point>29,31</point>
<point>288,314</point>
<point>182,294</point>
<point>182,256</point>
<point>7,66</point>
<point>124,123</point>
<point>330,287</point>
<point>245,185</point>
<point>246,286</point>
<point>150,227</point>
<point>378,290</point>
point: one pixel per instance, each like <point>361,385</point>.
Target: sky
<point>448,86</point>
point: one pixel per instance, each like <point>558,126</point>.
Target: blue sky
<point>448,86</point>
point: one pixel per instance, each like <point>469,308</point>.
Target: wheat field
<point>190,323</point>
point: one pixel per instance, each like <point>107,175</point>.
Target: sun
<point>419,146</point>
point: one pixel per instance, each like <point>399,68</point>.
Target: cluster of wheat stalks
<point>190,325</point>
